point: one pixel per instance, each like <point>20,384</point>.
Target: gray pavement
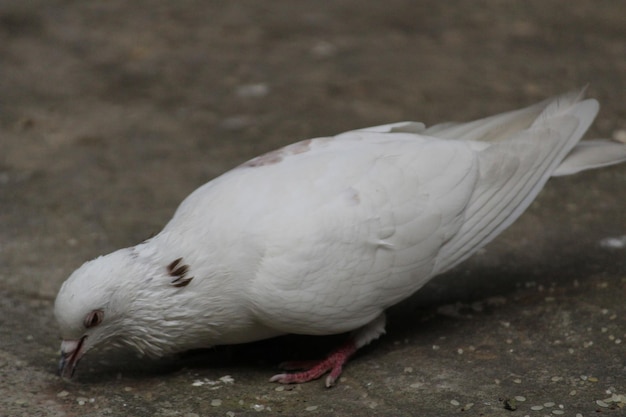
<point>112,112</point>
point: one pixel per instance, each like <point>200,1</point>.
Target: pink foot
<point>315,369</point>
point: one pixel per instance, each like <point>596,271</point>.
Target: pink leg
<point>333,363</point>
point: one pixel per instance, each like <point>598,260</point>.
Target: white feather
<point>321,236</point>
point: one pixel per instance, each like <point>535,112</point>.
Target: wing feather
<point>513,171</point>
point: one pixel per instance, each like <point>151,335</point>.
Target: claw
<point>315,369</point>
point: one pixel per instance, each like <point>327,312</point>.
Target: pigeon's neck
<point>182,302</point>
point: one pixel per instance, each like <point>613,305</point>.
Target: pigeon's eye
<point>93,318</point>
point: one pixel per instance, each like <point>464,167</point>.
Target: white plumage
<point>321,236</point>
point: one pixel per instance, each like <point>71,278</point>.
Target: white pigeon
<point>321,236</point>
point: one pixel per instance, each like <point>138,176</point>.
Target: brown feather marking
<point>178,282</point>
<point>173,265</point>
<point>178,272</point>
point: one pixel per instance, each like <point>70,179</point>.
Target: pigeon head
<point>96,304</point>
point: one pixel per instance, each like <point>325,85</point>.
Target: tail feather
<point>590,154</point>
<point>490,129</point>
<point>514,170</point>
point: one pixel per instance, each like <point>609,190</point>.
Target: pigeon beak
<point>71,352</point>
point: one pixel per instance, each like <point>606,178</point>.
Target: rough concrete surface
<point>111,112</point>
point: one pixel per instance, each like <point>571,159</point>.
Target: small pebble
<point>455,403</point>
<point>558,412</point>
<point>311,408</point>
<point>252,90</point>
<point>549,404</point>
<point>517,381</point>
<point>620,135</point>
<point>230,414</point>
<point>227,379</point>
<point>520,398</point>
<point>216,403</point>
<point>592,379</point>
<point>618,398</point>
<point>279,388</point>
<point>372,404</point>
<point>602,404</point>
<point>510,404</point>
<point>63,394</point>
<point>536,407</point>
<point>236,122</point>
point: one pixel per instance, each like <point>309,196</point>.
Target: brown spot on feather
<point>181,283</point>
<point>269,158</point>
<point>173,265</point>
<point>179,273</point>
<point>352,196</point>
<point>278,155</point>
<point>299,147</point>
